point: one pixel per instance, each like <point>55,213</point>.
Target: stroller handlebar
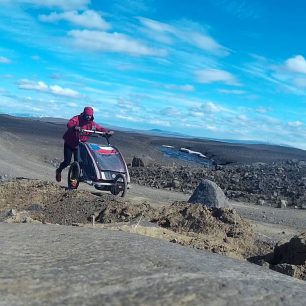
<point>93,133</point>
<point>96,132</point>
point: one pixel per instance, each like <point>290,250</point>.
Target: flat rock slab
<point>61,265</point>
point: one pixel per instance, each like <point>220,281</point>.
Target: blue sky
<point>210,68</point>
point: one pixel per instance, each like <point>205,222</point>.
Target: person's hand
<point>77,128</point>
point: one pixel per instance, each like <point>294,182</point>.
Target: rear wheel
<point>74,175</point>
<point>120,186</point>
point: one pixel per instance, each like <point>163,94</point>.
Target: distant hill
<point>132,143</point>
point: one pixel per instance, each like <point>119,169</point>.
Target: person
<point>71,137</point>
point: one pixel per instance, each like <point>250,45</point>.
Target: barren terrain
<point>30,150</point>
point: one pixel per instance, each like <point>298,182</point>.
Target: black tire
<point>119,186</point>
<point>74,174</point>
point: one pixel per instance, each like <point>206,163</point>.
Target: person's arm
<point>100,128</point>
<point>73,122</point>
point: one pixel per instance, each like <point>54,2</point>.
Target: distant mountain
<point>236,141</point>
<point>52,120</point>
<point>160,132</point>
<point>22,115</point>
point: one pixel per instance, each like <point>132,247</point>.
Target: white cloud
<point>296,64</point>
<point>271,120</point>
<point>211,107</point>
<point>60,91</point>
<point>170,111</point>
<point>295,123</point>
<point>283,76</point>
<point>43,87</point>
<point>72,104</point>
<point>242,117</point>
<point>206,109</point>
<point>205,42</point>
<point>156,25</point>
<point>160,122</point>
<point>112,42</point>
<point>215,75</point>
<point>211,128</point>
<point>38,86</point>
<point>185,87</point>
<point>88,19</point>
<point>166,33</point>
<point>5,60</point>
<point>128,105</point>
<point>196,113</point>
<point>62,4</point>
<point>129,118</point>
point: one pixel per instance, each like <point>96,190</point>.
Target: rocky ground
<point>220,230</point>
<point>279,183</point>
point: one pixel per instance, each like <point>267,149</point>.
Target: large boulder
<point>209,194</point>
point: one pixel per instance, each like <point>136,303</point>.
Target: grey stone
<point>11,213</point>
<point>176,183</point>
<point>65,265</point>
<point>209,194</point>
<point>20,217</point>
<point>261,202</point>
<point>282,203</point>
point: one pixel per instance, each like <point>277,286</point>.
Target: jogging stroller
<point>101,166</point>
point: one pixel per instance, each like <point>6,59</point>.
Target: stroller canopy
<point>107,158</point>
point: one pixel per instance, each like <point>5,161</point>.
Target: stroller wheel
<point>74,175</point>
<point>119,186</point>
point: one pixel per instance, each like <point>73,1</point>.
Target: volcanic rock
<point>209,194</point>
<point>176,183</point>
<point>270,182</point>
<point>282,204</point>
<point>137,162</point>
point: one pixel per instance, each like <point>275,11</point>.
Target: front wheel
<point>74,175</point>
<point>119,186</point>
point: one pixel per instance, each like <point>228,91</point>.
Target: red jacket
<point>71,136</point>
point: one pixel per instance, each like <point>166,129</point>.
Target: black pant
<point>67,156</point>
